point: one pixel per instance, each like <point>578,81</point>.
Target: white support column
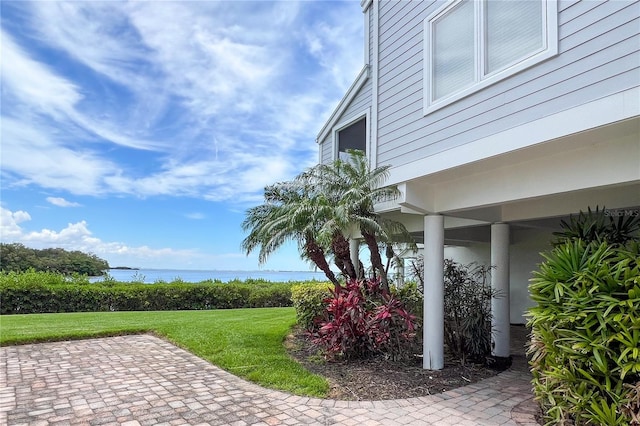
<point>399,268</point>
<point>433,293</point>
<point>500,306</point>
<point>354,252</point>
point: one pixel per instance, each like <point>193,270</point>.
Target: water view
<point>193,276</point>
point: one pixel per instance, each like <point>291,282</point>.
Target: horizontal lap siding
<point>360,104</point>
<point>326,151</point>
<point>594,61</point>
<point>371,41</point>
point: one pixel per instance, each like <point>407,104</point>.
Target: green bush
<point>411,297</point>
<point>467,307</point>
<point>467,311</point>
<point>308,301</point>
<point>585,345</point>
<point>40,292</point>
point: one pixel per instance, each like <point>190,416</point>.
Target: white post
<point>399,268</point>
<point>354,252</point>
<point>433,354</point>
<point>500,306</point>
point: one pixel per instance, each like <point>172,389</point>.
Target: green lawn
<point>245,342</point>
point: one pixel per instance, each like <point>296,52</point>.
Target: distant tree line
<point>18,258</point>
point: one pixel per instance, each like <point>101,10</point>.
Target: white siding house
<point>498,119</point>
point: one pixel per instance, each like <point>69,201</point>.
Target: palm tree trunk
<point>376,260</point>
<point>316,254</point>
<point>340,247</point>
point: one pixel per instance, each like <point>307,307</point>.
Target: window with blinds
<point>353,136</point>
<point>471,44</point>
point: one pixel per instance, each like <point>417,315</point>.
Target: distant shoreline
<point>126,268</point>
<point>195,276</point>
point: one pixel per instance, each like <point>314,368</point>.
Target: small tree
<point>291,213</point>
<point>467,308</point>
<point>320,209</point>
<point>357,188</point>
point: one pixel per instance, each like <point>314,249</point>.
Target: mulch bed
<point>379,378</point>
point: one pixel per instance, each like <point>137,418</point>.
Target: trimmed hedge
<point>36,292</point>
<point>308,300</point>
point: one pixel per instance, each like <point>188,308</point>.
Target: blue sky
<point>142,131</point>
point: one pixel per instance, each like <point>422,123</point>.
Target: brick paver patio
<point>143,380</point>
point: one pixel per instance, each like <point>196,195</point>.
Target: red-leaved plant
<point>362,320</point>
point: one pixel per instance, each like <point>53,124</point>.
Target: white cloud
<point>34,156</point>
<point>61,202</point>
<point>10,223</point>
<point>95,33</point>
<point>77,236</point>
<point>220,91</point>
<point>33,83</point>
<point>36,89</point>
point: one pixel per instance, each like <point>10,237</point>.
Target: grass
<point>245,342</point>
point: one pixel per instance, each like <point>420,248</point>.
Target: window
<point>472,44</point>
<point>353,136</point>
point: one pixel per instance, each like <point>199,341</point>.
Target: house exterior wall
<point>545,142</point>
<point>359,106</point>
<point>326,151</point>
<point>598,42</point>
<point>524,252</point>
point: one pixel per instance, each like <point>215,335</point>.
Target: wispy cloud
<point>36,155</point>
<point>225,97</point>
<point>61,202</point>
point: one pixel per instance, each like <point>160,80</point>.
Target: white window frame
<point>548,50</point>
<point>344,124</point>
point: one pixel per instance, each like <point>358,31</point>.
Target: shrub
<point>467,311</point>
<point>585,344</point>
<point>308,301</point>
<point>411,296</point>
<point>40,292</point>
<point>467,307</point>
<point>600,226</point>
<point>271,296</point>
<point>361,320</point>
<point>585,347</point>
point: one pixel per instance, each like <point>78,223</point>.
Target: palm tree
<point>355,188</point>
<point>330,229</point>
<point>320,209</point>
<point>289,213</point>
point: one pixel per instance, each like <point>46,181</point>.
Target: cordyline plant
<point>361,319</point>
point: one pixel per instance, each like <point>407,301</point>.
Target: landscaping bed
<point>378,378</point>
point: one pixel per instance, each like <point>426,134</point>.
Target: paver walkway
<point>143,380</point>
